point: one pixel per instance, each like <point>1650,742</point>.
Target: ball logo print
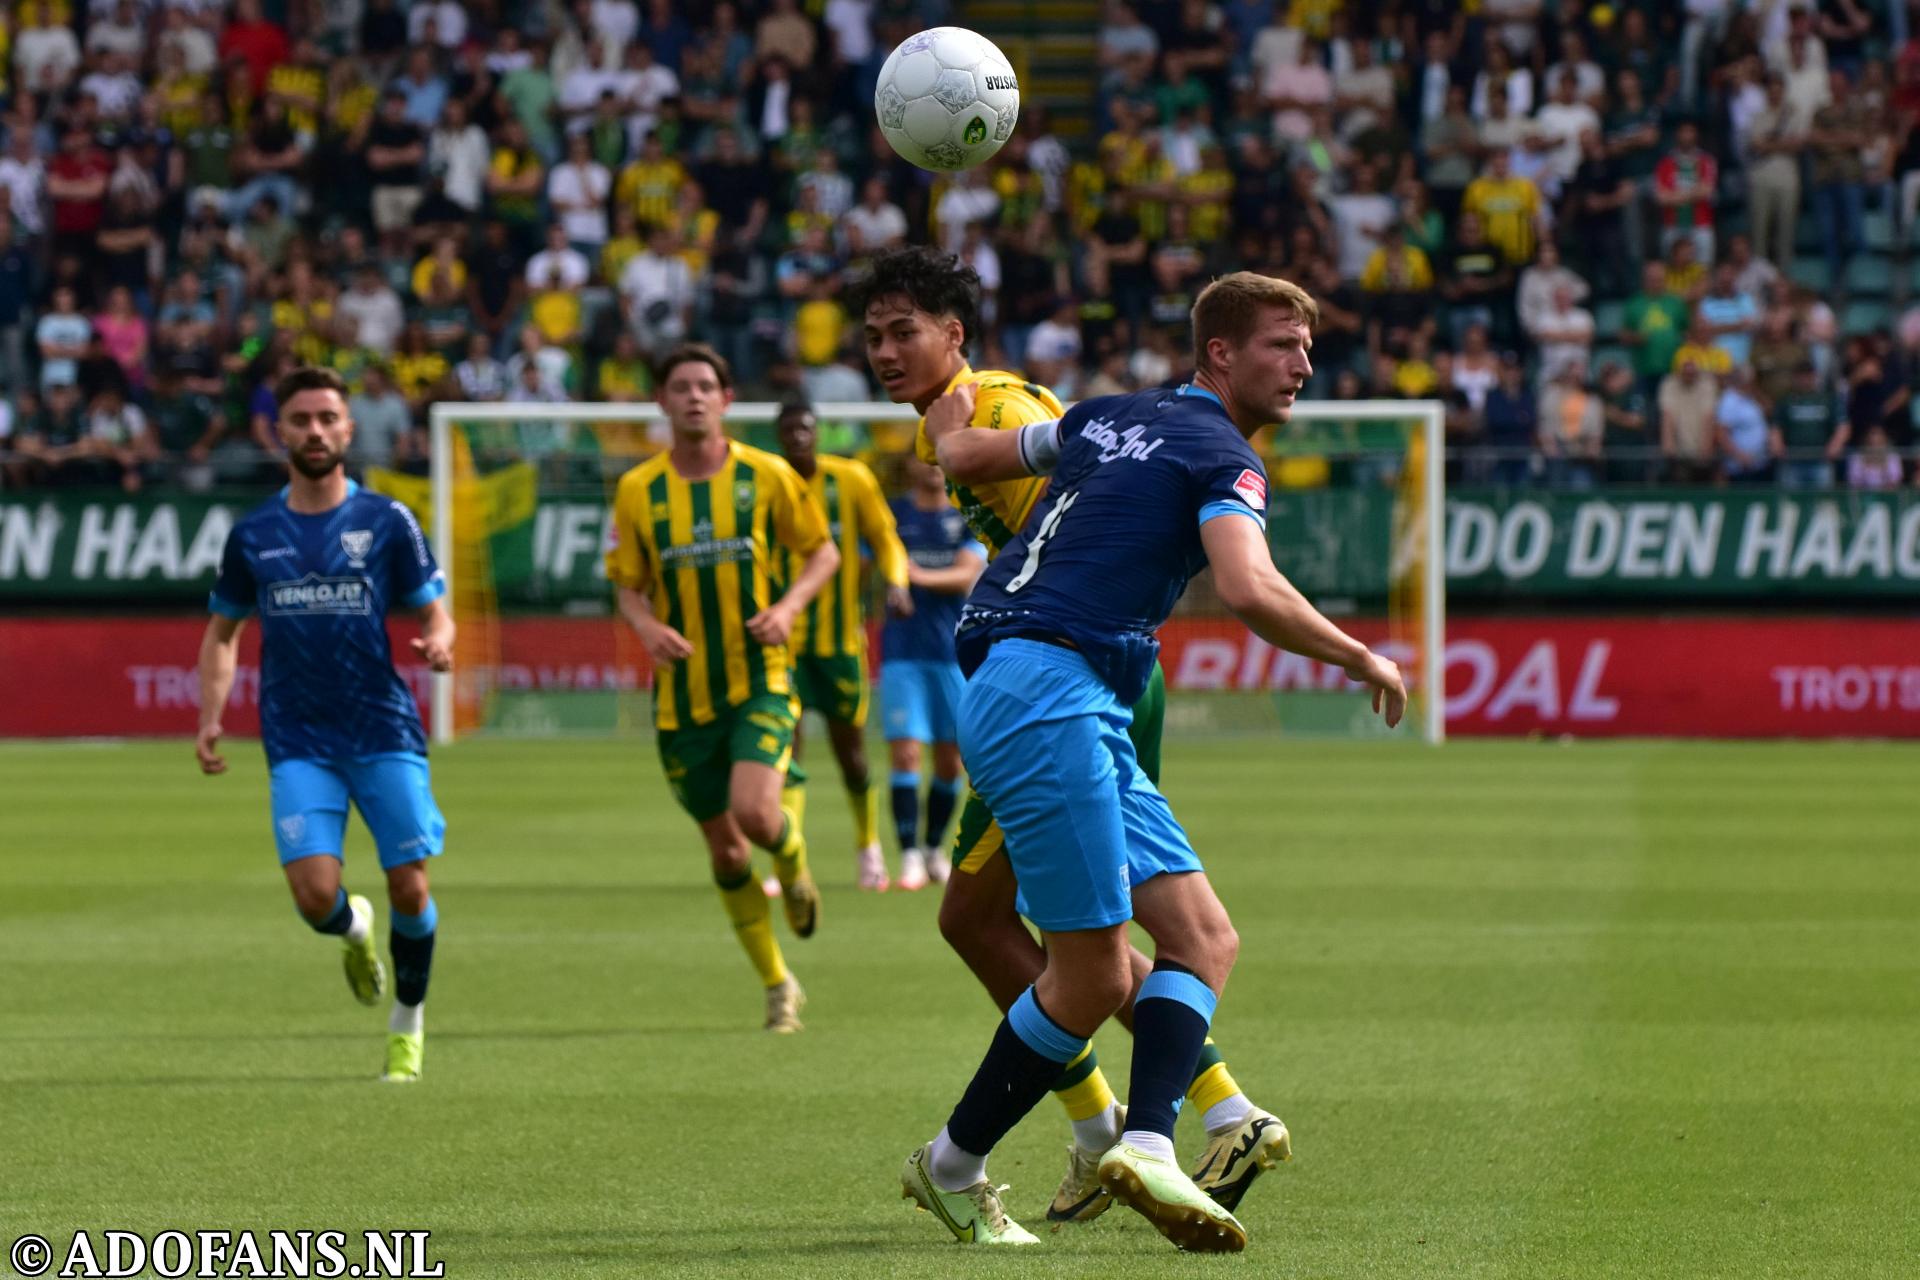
<point>947,99</point>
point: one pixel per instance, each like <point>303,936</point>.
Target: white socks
<point>1149,1143</point>
<point>1231,1114</point>
<point>953,1169</point>
<point>362,924</point>
<point>1099,1132</point>
<point>407,1019</point>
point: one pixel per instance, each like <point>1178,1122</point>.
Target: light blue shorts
<point>921,700</point>
<point>1045,744</point>
<point>393,792</point>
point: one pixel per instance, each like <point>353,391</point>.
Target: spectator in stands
<point>657,292</point>
<point>1512,426</point>
<point>1543,278</point>
<point>1775,138</point>
<point>479,376</point>
<point>1685,183</point>
<point>1807,423</point>
<point>62,335</point>
<point>1837,143</point>
<point>1728,316</point>
<point>457,154</point>
<point>382,422</point>
<point>1598,201</point>
<point>1748,443</point>
<point>1564,335</point>
<point>1478,282</point>
<point>16,291</point>
<point>1688,401</point>
<point>371,313</point>
<point>46,56</point>
<point>1572,428</point>
<point>1509,208</point>
<point>1874,465</point>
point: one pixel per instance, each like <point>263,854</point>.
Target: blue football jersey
<point>323,585</point>
<point>934,540</point>
<point>1105,556</point>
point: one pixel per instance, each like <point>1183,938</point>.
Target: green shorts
<point>835,687</point>
<point>699,759</point>
<point>978,837</point>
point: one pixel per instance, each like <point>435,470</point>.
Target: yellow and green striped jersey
<point>708,554</point>
<point>834,625</point>
<point>1003,402</point>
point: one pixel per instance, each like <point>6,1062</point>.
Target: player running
<point>920,309</point>
<point>920,681</point>
<point>1058,641</point>
<point>829,641</point>
<point>324,562</point>
<point>698,531</point>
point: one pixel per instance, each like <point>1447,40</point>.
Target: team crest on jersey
<point>1252,488</point>
<point>356,543</point>
<point>292,827</point>
<point>743,495</point>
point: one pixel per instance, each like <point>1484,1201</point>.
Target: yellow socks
<point>1212,1082</point>
<point>790,854</point>
<point>866,816</point>
<point>746,905</point>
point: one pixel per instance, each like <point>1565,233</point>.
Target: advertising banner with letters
<point>1506,547</point>
<point>1587,677</point>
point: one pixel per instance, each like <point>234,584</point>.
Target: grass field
<point>1603,1010</point>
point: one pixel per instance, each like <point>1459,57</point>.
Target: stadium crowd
<point>1624,241</point>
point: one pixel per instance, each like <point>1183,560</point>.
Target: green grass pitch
<point>1626,1010</point>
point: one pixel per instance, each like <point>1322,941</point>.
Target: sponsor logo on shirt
<point>1115,445</point>
<point>274,553</point>
<point>1252,488</point>
<point>315,594</point>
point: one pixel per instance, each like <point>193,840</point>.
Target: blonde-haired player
<point>919,309</point>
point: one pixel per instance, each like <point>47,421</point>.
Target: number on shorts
<point>1048,527</point>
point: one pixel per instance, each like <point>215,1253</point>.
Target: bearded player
<point>920,308</point>
<point>324,562</point>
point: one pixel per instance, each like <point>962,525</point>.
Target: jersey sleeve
<point>417,580</point>
<point>798,523</point>
<point>235,591</point>
<point>627,564</point>
<point>1231,483</point>
<point>997,406</point>
<point>878,528</point>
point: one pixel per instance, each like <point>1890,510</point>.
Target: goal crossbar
<point>1429,414</point>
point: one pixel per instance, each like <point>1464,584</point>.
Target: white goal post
<point>1430,415</point>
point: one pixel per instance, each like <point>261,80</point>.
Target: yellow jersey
<point>848,495</point>
<point>1508,207</point>
<point>707,553</point>
<point>1003,402</point>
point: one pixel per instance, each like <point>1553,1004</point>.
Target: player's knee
<point>730,861</point>
<point>407,889</point>
<point>854,770</point>
<point>904,755</point>
<point>315,902</point>
<point>760,821</point>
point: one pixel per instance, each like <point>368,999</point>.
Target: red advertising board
<point>1591,677</point>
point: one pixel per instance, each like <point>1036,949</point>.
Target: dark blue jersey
<point>323,585</point>
<point>1104,557</point>
<point>934,540</point>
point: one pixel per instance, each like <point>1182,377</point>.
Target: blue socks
<point>1023,1062</point>
<point>906,806</point>
<point>412,945</point>
<point>1170,1020</point>
<point>941,798</point>
<point>339,920</point>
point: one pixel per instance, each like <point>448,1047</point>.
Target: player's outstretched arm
<point>1259,595</point>
<point>219,657</point>
<point>434,644</point>
<point>773,624</point>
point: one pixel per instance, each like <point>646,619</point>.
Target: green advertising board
<point>1655,546</point>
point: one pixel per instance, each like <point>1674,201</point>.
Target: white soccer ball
<point>947,98</point>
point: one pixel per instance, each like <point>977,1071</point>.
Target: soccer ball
<point>947,98</point>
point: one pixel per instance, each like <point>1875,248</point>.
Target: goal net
<point>518,498</point>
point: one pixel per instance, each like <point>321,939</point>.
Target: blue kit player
<point>1058,641</point>
<point>920,681</point>
<point>323,563</point>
